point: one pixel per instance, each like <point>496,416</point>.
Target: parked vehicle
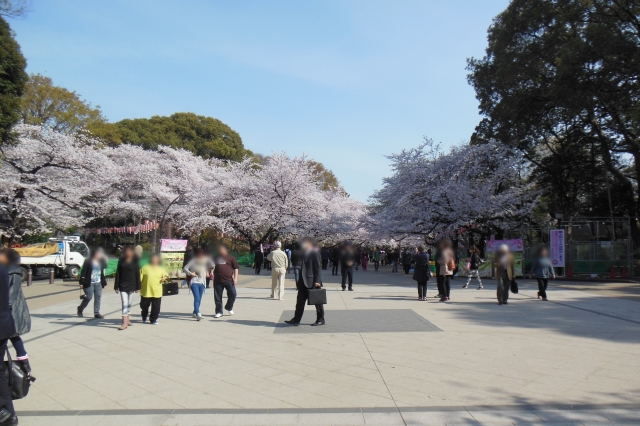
<point>66,255</point>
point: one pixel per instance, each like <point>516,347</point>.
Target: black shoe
<point>320,322</point>
<point>98,316</point>
<point>292,322</point>
<point>505,303</point>
<point>79,312</point>
<point>344,288</point>
<point>499,302</point>
<point>11,421</point>
<point>350,288</point>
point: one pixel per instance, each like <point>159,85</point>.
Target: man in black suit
<point>310,277</point>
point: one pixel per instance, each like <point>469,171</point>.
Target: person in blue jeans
<point>225,277</point>
<point>198,268</point>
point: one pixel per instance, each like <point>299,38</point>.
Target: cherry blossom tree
<point>432,192</point>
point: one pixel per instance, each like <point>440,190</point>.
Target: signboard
<point>172,263</point>
<point>173,245</point>
<point>556,237</point>
<point>492,246</point>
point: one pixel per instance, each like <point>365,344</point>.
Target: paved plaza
<point>384,358</point>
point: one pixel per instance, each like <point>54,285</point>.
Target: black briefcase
<point>317,296</point>
<point>19,378</point>
<point>514,287</point>
<point>169,289</point>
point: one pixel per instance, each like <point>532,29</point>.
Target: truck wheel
<point>72,271</point>
<point>24,271</point>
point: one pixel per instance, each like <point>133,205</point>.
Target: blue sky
<point>344,81</point>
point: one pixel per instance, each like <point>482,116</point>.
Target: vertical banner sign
<point>556,236</point>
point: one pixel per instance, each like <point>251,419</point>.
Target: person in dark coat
<point>421,272</point>
<point>92,281</point>
<point>7,330</point>
<point>335,261</point>
<point>10,259</point>
<point>407,258</point>
<point>348,258</point>
<point>127,283</point>
<point>257,261</point>
<point>310,277</point>
<point>296,260</point>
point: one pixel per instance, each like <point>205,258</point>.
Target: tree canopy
<point>206,137</point>
<point>12,80</point>
<point>560,82</point>
<point>56,107</point>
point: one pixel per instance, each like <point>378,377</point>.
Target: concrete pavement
<point>384,358</point>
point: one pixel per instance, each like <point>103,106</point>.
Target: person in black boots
<point>348,257</point>
<point>92,281</point>
<point>7,330</point>
<point>310,277</point>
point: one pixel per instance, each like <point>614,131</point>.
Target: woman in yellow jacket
<point>152,276</point>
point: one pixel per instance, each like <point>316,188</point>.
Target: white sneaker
<point>199,317</point>
<point>155,323</point>
<point>230,312</point>
<point>217,315</point>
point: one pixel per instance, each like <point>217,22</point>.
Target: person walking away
<point>542,270</point>
<point>377,256</point>
<point>127,282</point>
<point>347,262</point>
<point>407,258</point>
<point>287,251</point>
<point>505,273</point>
<point>152,275</point>
<point>364,260</point>
<point>394,257</point>
<point>267,264</point>
<point>421,272</point>
<point>325,258</point>
<point>474,265</point>
<point>10,259</point>
<point>335,261</point>
<point>258,258</point>
<point>279,265</point>
<point>310,277</point>
<point>446,265</point>
<point>199,268</point>
<point>296,260</point>
<point>92,281</point>
<point>225,277</point>
<point>7,330</point>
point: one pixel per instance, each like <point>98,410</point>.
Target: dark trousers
<point>303,296</point>
<point>218,288</point>
<point>422,289</point>
<point>5,393</point>
<point>347,273</point>
<point>18,345</point>
<point>334,267</point>
<point>154,304</point>
<point>407,268</point>
<point>444,288</point>
<point>376,264</point>
<point>325,263</point>
<point>504,285</point>
<point>258,268</point>
<point>208,282</point>
<point>542,287</point>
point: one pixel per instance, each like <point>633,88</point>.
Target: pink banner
<point>173,245</point>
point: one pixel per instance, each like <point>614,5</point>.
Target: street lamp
<point>179,201</point>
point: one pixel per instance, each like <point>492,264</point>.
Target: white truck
<point>66,255</point>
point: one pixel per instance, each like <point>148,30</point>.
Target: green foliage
<point>57,107</point>
<point>204,136</point>
<point>12,81</point>
<point>560,81</point>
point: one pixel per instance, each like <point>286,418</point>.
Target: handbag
<point>170,289</point>
<point>514,287</point>
<point>317,296</point>
<point>18,377</point>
